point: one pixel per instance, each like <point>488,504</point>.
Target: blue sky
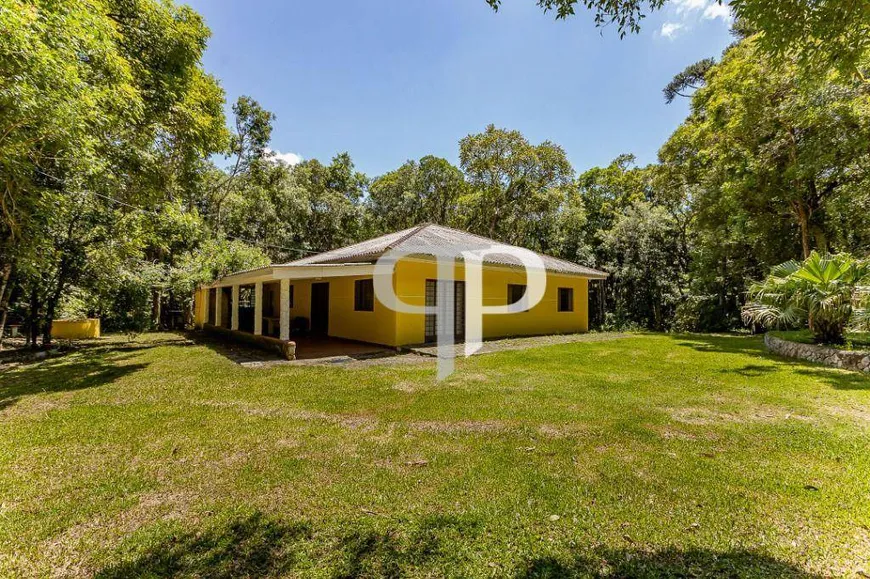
<point>392,80</point>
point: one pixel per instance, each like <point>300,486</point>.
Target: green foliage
<point>515,188</point>
<point>821,291</point>
<point>101,101</point>
<point>692,78</point>
<point>820,35</point>
<point>333,196</point>
<point>770,166</point>
<point>211,260</point>
<point>111,204</point>
<point>626,14</point>
<point>642,249</point>
<point>426,191</point>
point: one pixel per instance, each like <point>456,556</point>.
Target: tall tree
<point>783,145</point>
<point>417,192</point>
<point>333,194</point>
<point>607,192</point>
<point>105,108</point>
<point>516,188</point>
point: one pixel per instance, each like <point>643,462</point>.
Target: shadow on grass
<point>369,552</point>
<point>724,344</point>
<point>751,370</point>
<point>249,547</point>
<point>260,546</point>
<point>838,379</point>
<point>62,375</point>
<point>664,563</point>
<point>234,351</point>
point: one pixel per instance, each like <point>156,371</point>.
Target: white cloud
<point>671,29</point>
<point>684,6</point>
<point>716,10</point>
<point>690,12</point>
<point>289,158</point>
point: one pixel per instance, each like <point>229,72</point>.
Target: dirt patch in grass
<point>354,421</point>
<point>707,417</point>
<point>409,387</point>
<point>860,415</point>
<point>462,426</point>
<point>673,434</point>
<point>34,406</point>
<point>561,430</point>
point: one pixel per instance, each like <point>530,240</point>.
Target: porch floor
<point>313,347</point>
<point>307,348</point>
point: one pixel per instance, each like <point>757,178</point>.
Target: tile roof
<point>429,239</point>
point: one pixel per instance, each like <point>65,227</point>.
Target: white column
<point>234,324</point>
<point>285,309</point>
<point>218,296</point>
<point>258,308</point>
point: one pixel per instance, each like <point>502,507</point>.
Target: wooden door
<point>319,308</point>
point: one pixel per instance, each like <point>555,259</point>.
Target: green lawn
<point>645,456</point>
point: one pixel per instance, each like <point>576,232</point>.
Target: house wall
<point>301,298</point>
<point>377,327</point>
<point>543,318</point>
<point>386,327</point>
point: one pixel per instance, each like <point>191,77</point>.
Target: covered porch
<point>298,311</point>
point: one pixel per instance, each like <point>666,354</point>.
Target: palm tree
<point>825,291</point>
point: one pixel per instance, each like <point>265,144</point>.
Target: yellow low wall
<point>75,329</point>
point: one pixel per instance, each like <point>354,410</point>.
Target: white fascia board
<point>279,272</point>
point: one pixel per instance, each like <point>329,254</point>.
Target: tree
<point>516,188</point>
<point>778,146</point>
<point>417,192</point>
<point>606,193</point>
<point>333,196</point>
<point>211,260</point>
<point>820,35</point>
<point>106,109</point>
<point>248,144</point>
<point>821,291</point>
<point>691,78</point>
<point>644,256</point>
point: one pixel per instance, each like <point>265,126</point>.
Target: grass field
<point>650,455</point>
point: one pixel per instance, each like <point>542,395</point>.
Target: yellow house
<point>332,293</point>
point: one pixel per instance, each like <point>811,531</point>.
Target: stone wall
<point>846,359</point>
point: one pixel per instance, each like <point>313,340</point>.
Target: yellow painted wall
<point>200,312</point>
<point>377,327</point>
<point>543,318</point>
<point>301,299</point>
<point>75,329</point>
<point>384,326</point>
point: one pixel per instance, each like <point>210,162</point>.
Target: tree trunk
<point>33,333</point>
<point>53,299</point>
<point>828,332</point>
<point>804,221</point>
<point>5,293</point>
